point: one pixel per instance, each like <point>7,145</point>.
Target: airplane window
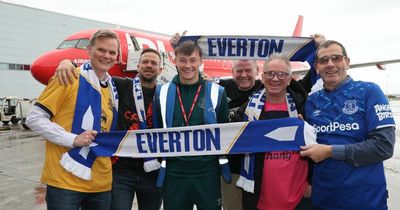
<point>19,67</point>
<point>83,43</point>
<point>68,44</point>
<point>4,66</point>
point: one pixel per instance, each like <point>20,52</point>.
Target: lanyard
<point>187,117</point>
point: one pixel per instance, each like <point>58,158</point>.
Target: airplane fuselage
<point>74,48</point>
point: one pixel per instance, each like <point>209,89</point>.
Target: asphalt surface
<point>21,161</point>
<point>21,154</point>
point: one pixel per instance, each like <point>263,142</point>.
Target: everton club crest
<point>350,107</point>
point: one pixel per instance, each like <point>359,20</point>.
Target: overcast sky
<point>369,29</point>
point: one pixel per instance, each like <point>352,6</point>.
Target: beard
<point>148,79</point>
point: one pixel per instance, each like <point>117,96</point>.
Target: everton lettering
<point>332,127</point>
<point>252,47</point>
<point>179,141</point>
<point>196,140</point>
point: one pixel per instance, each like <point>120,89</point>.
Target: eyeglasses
<point>271,75</point>
<point>334,58</point>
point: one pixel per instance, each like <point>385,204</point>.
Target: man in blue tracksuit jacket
<point>186,101</point>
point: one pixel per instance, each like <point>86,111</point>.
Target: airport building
<point>25,34</point>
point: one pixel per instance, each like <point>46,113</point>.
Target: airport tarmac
<point>22,154</point>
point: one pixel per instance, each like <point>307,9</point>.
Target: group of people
<point>353,121</point>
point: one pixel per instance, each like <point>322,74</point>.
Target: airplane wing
<point>379,64</point>
<point>301,68</point>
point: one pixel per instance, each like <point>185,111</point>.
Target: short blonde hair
<point>253,63</point>
<point>103,33</point>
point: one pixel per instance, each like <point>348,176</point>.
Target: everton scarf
<point>257,48</point>
<point>252,113</point>
<point>211,139</point>
<point>253,48</point>
<point>87,116</point>
<point>285,134</point>
<point>150,164</point>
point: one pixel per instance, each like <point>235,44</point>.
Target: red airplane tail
<point>299,26</point>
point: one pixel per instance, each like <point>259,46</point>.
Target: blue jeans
<point>125,186</point>
<point>63,199</point>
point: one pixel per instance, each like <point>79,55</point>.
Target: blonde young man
<point>70,117</point>
<point>131,176</point>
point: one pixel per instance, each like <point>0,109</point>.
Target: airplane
<point>132,41</point>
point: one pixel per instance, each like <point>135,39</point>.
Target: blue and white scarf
<point>254,47</point>
<point>257,48</point>
<point>283,134</point>
<point>253,112</point>
<point>150,164</point>
<point>211,139</point>
<point>87,116</point>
